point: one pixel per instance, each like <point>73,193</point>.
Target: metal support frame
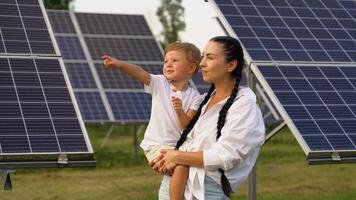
<point>275,131</point>
<point>107,136</point>
<point>5,175</point>
<point>137,132</point>
<point>252,82</point>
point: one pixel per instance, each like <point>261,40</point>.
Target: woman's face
<point>213,64</point>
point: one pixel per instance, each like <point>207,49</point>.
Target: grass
<point>282,174</point>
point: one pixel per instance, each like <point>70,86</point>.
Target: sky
<point>201,24</point>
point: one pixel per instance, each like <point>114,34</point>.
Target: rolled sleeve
<point>154,82</point>
<point>242,133</point>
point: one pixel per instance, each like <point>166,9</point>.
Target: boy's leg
<point>178,182</point>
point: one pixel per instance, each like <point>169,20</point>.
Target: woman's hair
<point>191,51</point>
<point>233,51</point>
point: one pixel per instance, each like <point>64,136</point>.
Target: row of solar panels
<point>303,54</point>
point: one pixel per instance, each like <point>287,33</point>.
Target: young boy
<point>174,103</point>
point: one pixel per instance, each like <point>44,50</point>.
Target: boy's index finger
<point>106,57</point>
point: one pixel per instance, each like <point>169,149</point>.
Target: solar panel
<point>83,39</point>
<point>39,124</point>
<point>290,30</point>
<point>37,113</point>
<point>318,103</point>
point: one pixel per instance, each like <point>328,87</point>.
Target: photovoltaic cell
<point>290,30</point>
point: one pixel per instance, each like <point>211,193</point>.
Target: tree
<point>57,4</point>
<point>171,16</point>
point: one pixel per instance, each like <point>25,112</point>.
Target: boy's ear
<point>232,65</point>
<point>193,68</point>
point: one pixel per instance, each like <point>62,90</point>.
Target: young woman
<point>221,143</point>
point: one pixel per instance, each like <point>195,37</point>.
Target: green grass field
<point>282,173</point>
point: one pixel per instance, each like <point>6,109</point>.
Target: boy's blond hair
<point>191,51</point>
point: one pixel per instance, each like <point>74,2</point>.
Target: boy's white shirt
<point>164,127</point>
<point>237,148</point>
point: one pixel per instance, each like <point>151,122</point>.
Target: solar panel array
<point>304,55</point>
<point>106,95</point>
<point>38,121</point>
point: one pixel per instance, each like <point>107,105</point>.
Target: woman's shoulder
<point>245,94</point>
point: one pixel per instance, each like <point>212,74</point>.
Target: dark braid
<point>225,108</point>
<point>192,122</point>
<point>233,51</point>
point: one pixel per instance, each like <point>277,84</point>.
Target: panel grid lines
<point>323,106</point>
<point>102,35</point>
<point>299,33</point>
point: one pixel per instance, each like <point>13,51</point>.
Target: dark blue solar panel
<point>294,30</point>
<point>91,106</point>
<point>34,105</point>
<point>320,101</point>
<point>134,106</point>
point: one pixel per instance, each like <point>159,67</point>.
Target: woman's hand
<point>156,163</point>
<point>170,160</point>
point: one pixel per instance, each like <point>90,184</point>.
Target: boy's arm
<point>132,70</point>
<point>183,117</point>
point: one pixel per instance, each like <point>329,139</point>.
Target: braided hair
<point>233,51</point>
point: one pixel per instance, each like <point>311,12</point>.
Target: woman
<point>221,143</point>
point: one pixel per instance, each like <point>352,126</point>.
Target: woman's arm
<point>171,158</point>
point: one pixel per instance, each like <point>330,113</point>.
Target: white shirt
<point>237,148</point>
<point>163,127</point>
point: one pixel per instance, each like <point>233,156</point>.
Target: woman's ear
<point>232,65</point>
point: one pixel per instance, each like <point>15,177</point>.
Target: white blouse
<point>235,151</point>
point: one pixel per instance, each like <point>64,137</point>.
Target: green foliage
<point>171,16</point>
<point>57,4</point>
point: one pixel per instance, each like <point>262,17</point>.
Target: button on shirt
<point>163,127</point>
<point>235,151</point>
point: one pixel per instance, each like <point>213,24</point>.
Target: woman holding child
<point>221,143</point>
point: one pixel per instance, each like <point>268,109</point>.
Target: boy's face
<point>177,67</point>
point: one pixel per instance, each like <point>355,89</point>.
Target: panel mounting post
<point>5,175</point>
